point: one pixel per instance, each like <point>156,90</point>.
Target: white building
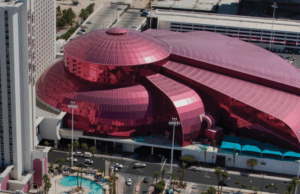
<point>283,34</point>
<point>27,44</point>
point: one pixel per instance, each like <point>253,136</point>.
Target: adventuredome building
<point>128,83</point>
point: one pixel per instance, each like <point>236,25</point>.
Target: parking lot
<point>131,19</point>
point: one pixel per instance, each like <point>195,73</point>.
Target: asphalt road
<point>202,177</point>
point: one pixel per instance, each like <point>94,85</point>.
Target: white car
<point>74,160</point>
<point>129,182</point>
<point>80,33</point>
<point>139,165</point>
<point>88,161</point>
<point>119,165</point>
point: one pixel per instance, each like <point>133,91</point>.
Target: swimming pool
<point>70,181</point>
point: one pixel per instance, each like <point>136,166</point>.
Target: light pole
<point>174,123</point>
<point>72,106</point>
<point>274,6</point>
<point>272,187</point>
<point>250,184</point>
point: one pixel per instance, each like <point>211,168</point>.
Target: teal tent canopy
<point>291,154</point>
<point>271,149</point>
<point>253,143</point>
<point>230,145</point>
<point>251,148</point>
<point>233,139</point>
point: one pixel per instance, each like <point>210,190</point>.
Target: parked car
<point>88,161</point>
<point>119,165</point>
<point>77,153</point>
<point>105,136</point>
<point>119,8</point>
<point>83,165</point>
<point>142,10</point>
<point>139,165</point>
<point>80,33</point>
<point>129,182</point>
<point>82,30</point>
<point>74,160</point>
<point>88,155</point>
<point>146,180</point>
<point>133,26</point>
<point>144,14</point>
<point>224,183</point>
<point>88,22</point>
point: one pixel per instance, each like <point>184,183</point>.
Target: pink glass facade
<point>129,83</point>
<point>26,187</point>
<point>4,184</point>
<point>38,171</point>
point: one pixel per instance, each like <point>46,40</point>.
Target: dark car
<point>142,10</point>
<point>105,136</point>
<point>146,180</point>
<point>144,14</point>
<point>224,183</point>
<point>83,165</point>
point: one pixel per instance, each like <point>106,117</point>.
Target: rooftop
<point>227,20</point>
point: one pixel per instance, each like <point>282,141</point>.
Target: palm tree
<point>255,189</point>
<point>234,153</point>
<point>51,150</point>
<point>252,162</point>
<point>214,144</point>
<point>163,173</point>
<point>218,172</point>
<point>77,177</point>
<point>174,178</point>
<point>93,150</point>
<point>238,183</point>
<point>294,183</point>
<point>183,167</point>
<point>60,161</point>
<point>47,183</point>
<point>156,174</point>
<point>70,154</point>
<point>180,170</point>
<point>224,175</point>
<point>81,177</point>
<point>84,147</point>
<point>76,146</point>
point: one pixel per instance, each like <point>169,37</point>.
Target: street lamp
<point>72,106</point>
<point>272,187</point>
<point>174,123</point>
<point>274,6</point>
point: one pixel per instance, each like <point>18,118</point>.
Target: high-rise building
<point>27,39</point>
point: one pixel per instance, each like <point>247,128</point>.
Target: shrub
<point>162,182</point>
<point>188,159</point>
<point>158,188</point>
<point>244,186</point>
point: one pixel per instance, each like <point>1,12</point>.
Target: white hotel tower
<point>27,44</point>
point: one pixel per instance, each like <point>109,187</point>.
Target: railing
<point>42,105</point>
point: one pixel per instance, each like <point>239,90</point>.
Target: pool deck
<point>58,188</point>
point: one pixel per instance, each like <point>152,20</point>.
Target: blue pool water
<point>70,181</point>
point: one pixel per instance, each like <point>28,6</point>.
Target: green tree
<point>218,172</point>
<point>238,184</point>
<point>83,14</point>
<point>188,159</point>
<point>289,188</point>
<point>77,171</point>
<point>211,190</point>
<point>60,161</point>
<point>163,173</point>
<point>255,189</point>
<point>156,174</point>
<point>58,9</point>
<point>214,144</point>
<point>224,175</point>
<point>182,172</point>
<point>93,150</point>
<point>252,162</point>
<point>244,186</point>
<point>158,188</point>
<point>47,183</point>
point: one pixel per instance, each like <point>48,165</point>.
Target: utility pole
<point>274,6</point>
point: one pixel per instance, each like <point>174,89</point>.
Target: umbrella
<point>74,168</point>
<point>106,177</point>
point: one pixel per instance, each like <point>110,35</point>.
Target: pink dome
<point>118,47</point>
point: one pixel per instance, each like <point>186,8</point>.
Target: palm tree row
<point>219,172</point>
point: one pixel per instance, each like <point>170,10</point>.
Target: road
<point>202,177</point>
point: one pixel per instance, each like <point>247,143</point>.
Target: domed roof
<point>117,46</point>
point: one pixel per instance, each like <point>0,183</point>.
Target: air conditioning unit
<point>19,192</point>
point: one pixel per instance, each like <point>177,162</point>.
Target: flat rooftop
<point>227,20</point>
<point>196,5</point>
